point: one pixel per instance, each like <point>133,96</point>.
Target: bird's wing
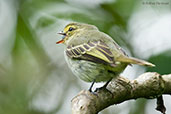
<point>96,51</point>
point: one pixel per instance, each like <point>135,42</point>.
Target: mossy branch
<point>148,85</point>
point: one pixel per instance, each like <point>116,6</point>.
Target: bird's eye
<point>71,29</point>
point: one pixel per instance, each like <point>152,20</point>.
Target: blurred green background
<point>34,77</point>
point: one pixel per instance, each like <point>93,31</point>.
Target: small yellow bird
<point>92,55</point>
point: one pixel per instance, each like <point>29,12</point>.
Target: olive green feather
<point>96,51</point>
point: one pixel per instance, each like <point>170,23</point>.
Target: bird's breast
<point>89,71</point>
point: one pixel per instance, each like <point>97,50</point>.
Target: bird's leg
<point>104,86</point>
<point>90,89</point>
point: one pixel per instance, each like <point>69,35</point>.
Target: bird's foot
<point>101,88</point>
<point>104,88</point>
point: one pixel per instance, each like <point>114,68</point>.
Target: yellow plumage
<point>94,56</point>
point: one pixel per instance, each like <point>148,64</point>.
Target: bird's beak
<point>61,41</point>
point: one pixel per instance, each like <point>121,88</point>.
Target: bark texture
<point>148,85</point>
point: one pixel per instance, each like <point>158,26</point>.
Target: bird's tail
<point>132,60</point>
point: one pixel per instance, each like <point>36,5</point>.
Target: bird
<point>92,55</point>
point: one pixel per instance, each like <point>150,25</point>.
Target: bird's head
<point>74,29</point>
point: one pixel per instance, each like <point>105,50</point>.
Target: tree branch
<point>148,85</point>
